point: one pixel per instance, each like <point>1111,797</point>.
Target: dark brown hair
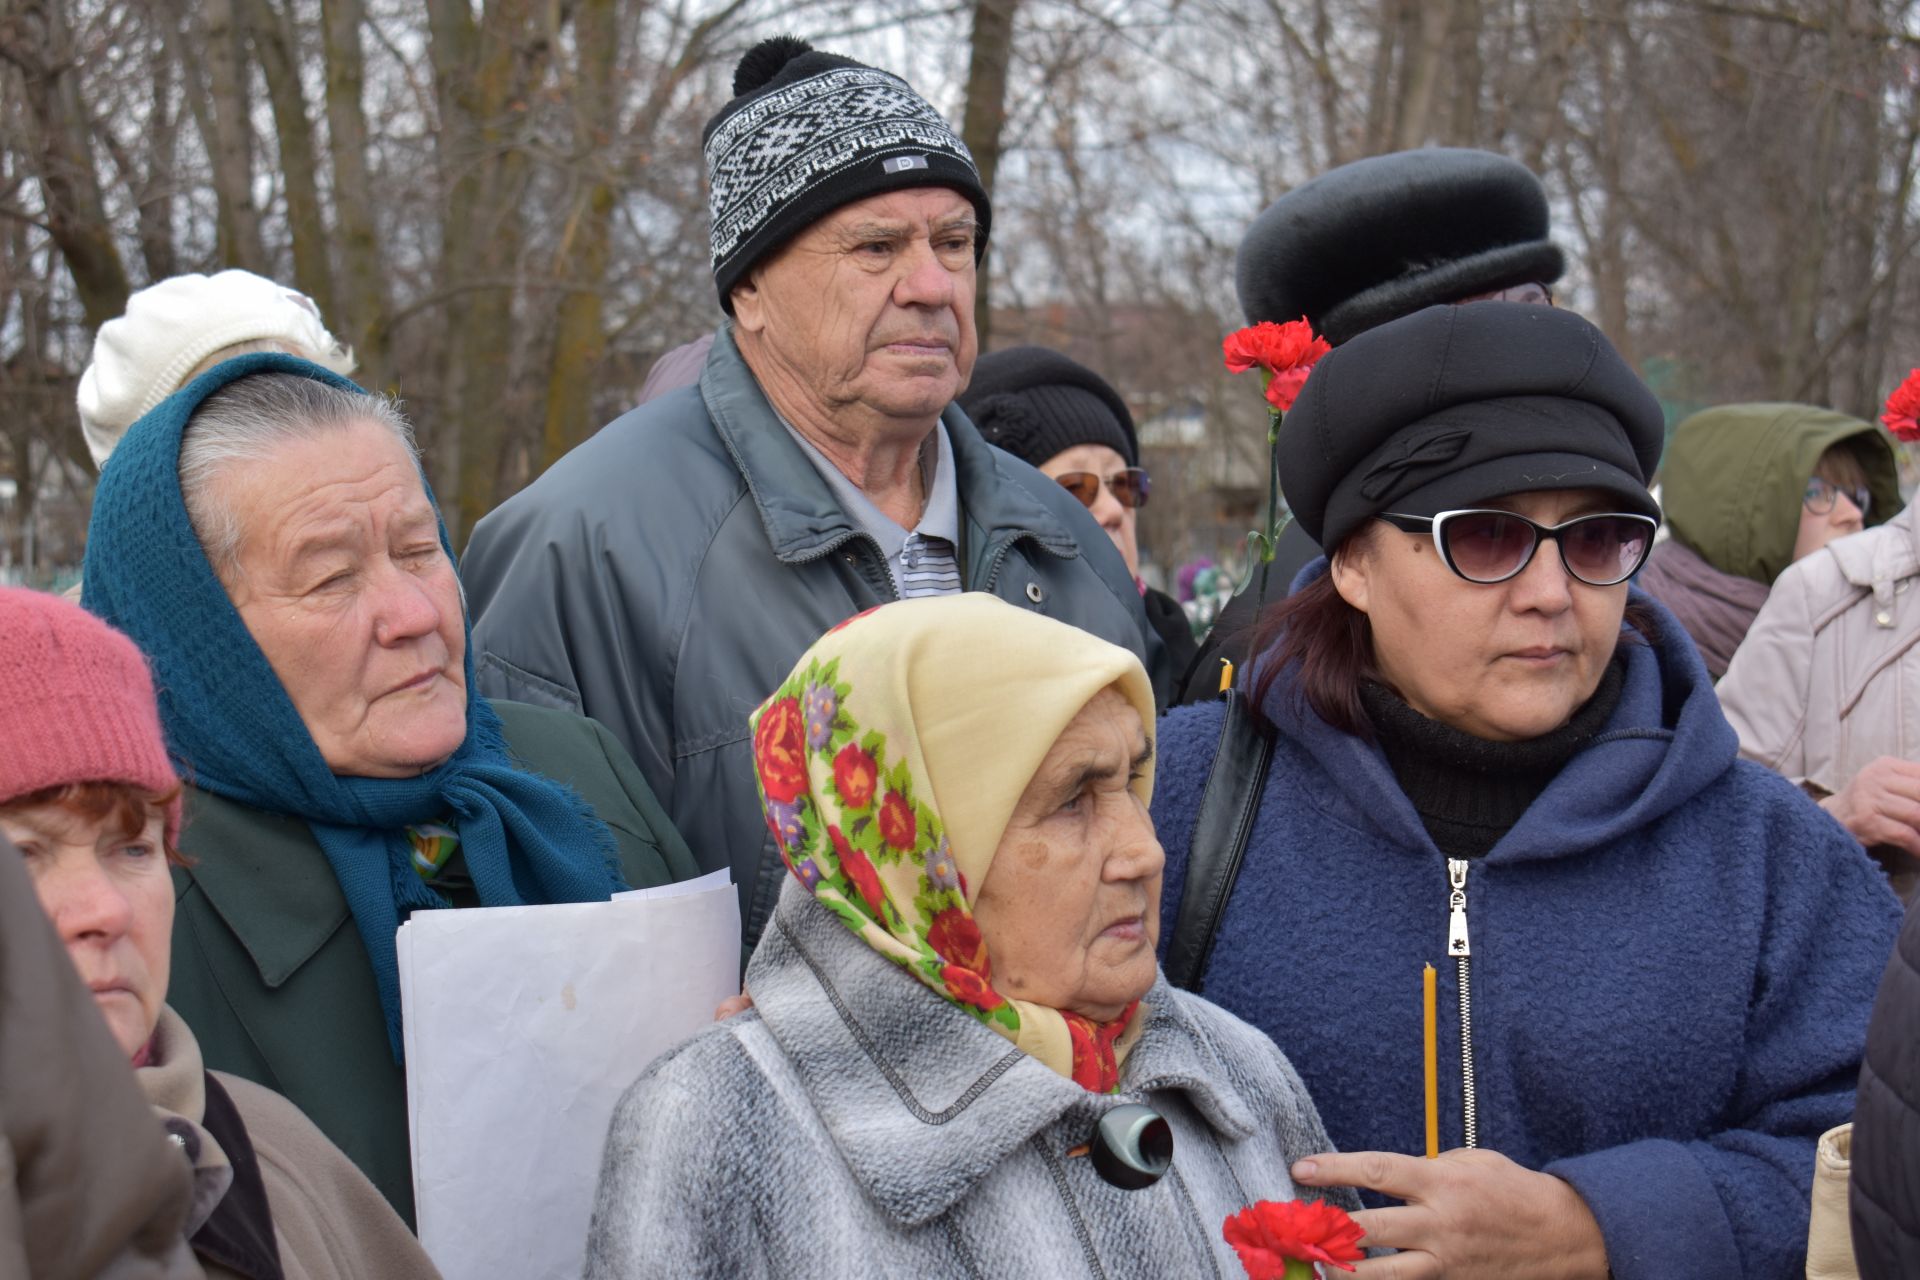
<point>1329,644</point>
<point>117,807</point>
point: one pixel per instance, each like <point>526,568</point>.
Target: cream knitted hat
<point>143,357</point>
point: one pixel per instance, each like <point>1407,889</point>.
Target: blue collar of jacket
<point>1666,741</point>
<point>804,520</point>
<point>922,1100</point>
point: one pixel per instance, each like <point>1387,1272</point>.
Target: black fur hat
<point>1383,237</point>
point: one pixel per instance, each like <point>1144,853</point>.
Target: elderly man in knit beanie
<point>1363,244</point>
<point>665,575</point>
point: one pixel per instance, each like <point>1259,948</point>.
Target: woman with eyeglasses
<point>1749,489</point>
<point>1064,420</point>
<point>1492,756</point>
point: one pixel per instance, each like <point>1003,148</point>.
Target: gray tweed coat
<point>855,1124</point>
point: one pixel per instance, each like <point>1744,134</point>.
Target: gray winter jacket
<point>664,577</point>
<point>854,1124</point>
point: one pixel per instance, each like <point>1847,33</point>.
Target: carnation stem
<point>1299,1270</point>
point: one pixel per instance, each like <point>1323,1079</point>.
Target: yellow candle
<point>1432,1063</point>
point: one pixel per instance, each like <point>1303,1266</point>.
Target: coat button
<point>1034,593</point>
<point>1884,618</point>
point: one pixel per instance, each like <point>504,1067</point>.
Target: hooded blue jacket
<point>1674,954</point>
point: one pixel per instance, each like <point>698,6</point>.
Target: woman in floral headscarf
<point>957,988</point>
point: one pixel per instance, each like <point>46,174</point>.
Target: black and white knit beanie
<point>808,132</point>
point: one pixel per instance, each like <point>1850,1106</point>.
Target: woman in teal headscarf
<point>268,540</point>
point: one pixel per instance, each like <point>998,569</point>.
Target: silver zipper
<point>1461,949</point>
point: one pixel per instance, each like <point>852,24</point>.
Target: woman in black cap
<point>1063,419</point>
<point>1490,755</point>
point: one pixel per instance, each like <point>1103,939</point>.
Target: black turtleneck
<point>1468,791</point>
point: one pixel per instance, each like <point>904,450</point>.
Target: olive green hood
<point>1734,476</point>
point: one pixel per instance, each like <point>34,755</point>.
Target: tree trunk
<point>365,308</point>
<point>580,338</point>
<point>231,144</point>
<point>985,116</point>
<point>273,45</point>
<point>76,214</point>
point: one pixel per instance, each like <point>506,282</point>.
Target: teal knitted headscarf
<point>232,729</point>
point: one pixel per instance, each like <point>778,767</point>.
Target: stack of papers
<point>524,1025</point>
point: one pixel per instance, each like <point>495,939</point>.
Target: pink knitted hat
<point>76,703</point>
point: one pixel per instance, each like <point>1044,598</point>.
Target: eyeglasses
<point>1532,292</point>
<point>1130,487</point>
<point>1487,546</point>
<point>1823,495</point>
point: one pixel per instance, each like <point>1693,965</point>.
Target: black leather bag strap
<point>1227,808</point>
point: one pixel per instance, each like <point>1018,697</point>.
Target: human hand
<point>1471,1213</point>
<point>732,1005</point>
<point>1881,805</point>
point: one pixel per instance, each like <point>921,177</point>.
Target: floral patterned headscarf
<point>890,762</point>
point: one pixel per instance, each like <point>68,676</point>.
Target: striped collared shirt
<point>923,560</point>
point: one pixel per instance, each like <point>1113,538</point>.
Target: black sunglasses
<point>1130,487</point>
<point>1488,546</point>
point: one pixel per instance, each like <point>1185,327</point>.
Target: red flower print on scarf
<point>968,987</point>
<point>955,938</point>
<point>855,775</point>
<point>1272,1234</point>
<point>897,826</point>
<point>856,868</point>
<point>1096,1065</point>
<point>779,747</point>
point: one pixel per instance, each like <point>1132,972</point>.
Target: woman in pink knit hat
<point>88,796</point>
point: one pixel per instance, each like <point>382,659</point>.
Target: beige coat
<point>89,1186</point>
<point>328,1221</point>
<point>1828,678</point>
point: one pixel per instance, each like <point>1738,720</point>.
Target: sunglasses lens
<point>1487,546</point>
<point>1083,485</point>
<point>1131,487</point>
<point>1604,550</point>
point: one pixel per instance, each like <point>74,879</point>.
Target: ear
<point>749,305</point>
<point>1350,568</point>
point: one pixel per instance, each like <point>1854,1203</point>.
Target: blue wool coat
<point>1674,956</point>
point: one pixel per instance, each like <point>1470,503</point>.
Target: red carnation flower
<point>897,826</point>
<point>779,751</point>
<point>1285,354</point>
<point>955,937</point>
<point>855,775</point>
<point>1271,1233</point>
<point>856,868</point>
<point>1903,409</point>
<point>968,987</point>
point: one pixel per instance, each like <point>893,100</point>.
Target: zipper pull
<point>1457,943</point>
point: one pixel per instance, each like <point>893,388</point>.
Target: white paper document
<point>524,1025</point>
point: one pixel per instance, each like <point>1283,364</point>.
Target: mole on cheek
<point>1032,853</point>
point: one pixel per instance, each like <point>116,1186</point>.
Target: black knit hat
<point>808,132</point>
<point>1454,406</point>
<point>1034,402</point>
<point>1383,237</point>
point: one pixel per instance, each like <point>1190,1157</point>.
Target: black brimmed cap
<point>1455,406</point>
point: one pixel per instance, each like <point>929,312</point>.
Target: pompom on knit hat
<point>1034,403</point>
<point>76,703</point>
<point>808,132</point>
<point>1384,237</point>
<point>144,356</point>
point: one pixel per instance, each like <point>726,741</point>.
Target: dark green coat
<point>271,974</point>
